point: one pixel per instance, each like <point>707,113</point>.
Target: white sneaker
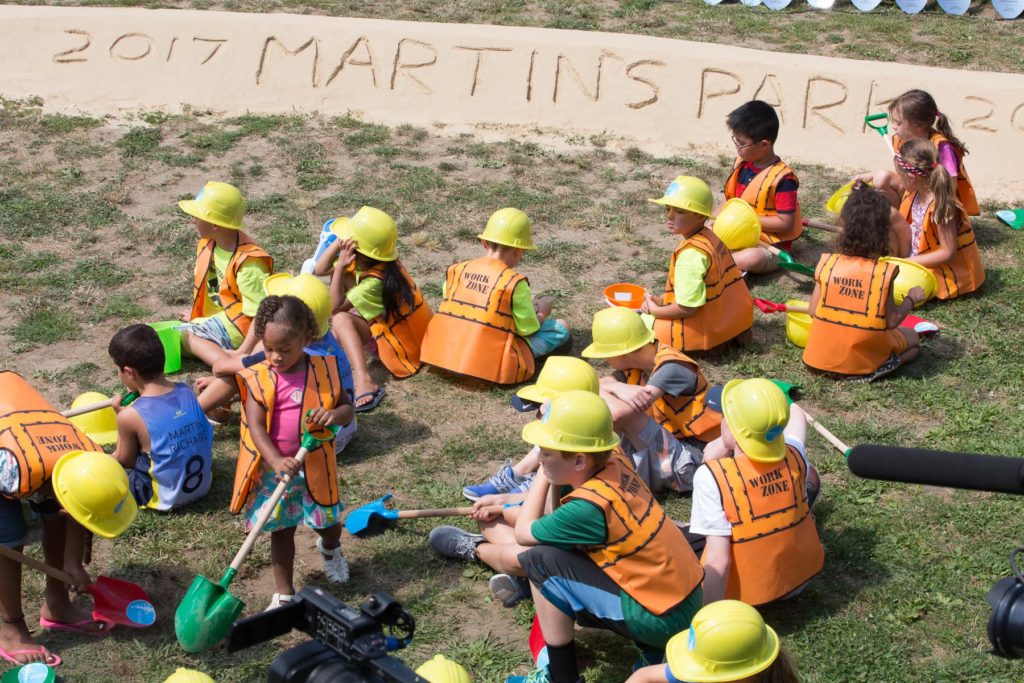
<point>335,564</point>
<point>279,600</point>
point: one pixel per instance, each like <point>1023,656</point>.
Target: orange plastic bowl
<point>624,294</point>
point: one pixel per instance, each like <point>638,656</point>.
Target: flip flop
<point>51,660</point>
<point>77,627</point>
<point>378,396</point>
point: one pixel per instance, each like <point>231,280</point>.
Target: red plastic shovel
<point>114,601</point>
<point>919,325</point>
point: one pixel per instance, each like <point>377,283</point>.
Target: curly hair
<point>286,310</point>
<point>865,221</point>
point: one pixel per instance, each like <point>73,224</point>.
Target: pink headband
<point>910,168</point>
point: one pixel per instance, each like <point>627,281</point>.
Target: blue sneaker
<point>505,481</point>
<point>535,676</point>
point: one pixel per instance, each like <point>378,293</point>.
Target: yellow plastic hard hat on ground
<point>727,641</point>
<point>560,374</point>
<point>757,412</point>
<point>93,488</point>
<point>440,669</point>
<point>688,193</point>
<point>510,227</point>
<point>310,289</point>
<point>575,422</point>
<point>737,225</point>
<point>217,203</point>
<point>374,232</point>
<point>616,332</point>
<point>99,425</point>
<point>798,325</point>
<point>188,676</point>
<point>912,275</point>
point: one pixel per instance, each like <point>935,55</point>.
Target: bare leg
<point>282,557</point>
<point>203,349</point>
<point>558,628</point>
<point>755,260</point>
<point>528,464</point>
<point>14,634</point>
<point>56,603</point>
<point>352,333</point>
<point>331,536</point>
<point>913,345</point>
<point>219,391</point>
<point>500,552</point>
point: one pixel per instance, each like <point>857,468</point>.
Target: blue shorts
<point>12,520</point>
<point>551,335</point>
<point>210,329</point>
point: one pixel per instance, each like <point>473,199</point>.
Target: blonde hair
<point>922,156</point>
<point>920,108</point>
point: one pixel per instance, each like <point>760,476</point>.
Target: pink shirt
<point>285,425</point>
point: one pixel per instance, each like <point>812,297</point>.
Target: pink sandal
<point>49,659</point>
<point>77,627</point>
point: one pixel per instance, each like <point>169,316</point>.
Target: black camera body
<point>349,646</point>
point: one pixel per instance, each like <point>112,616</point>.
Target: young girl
<point>855,319</point>
<point>941,236</point>
<point>280,394</point>
<point>381,308</point>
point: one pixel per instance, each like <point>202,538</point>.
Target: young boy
<point>761,179</point>
<point>706,302</point>
<point>488,325</point>
<point>163,438</point>
<point>656,396</point>
<point>229,273</point>
<point>750,498</point>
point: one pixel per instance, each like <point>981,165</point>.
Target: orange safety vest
<point>760,194</point>
<point>322,390</point>
<point>963,273</point>
<point>34,433</point>
<point>849,333</point>
<point>964,188</point>
<point>474,332</point>
<point>775,546</point>
<point>684,416</point>
<point>728,310</point>
<point>229,293</point>
<point>400,334</point>
<point>645,554</point>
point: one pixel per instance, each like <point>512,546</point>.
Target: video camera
<point>348,646</point>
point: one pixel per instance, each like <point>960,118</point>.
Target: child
<point>488,325</point>
<point>163,437</point>
<point>280,394</point>
<point>706,302</point>
<point>941,234</point>
<point>588,563</point>
<point>727,641</point>
<point>855,319</point>
<point>229,273</point>
<point>376,298</point>
<point>761,542</point>
<point>656,397</point>
<point>761,179</point>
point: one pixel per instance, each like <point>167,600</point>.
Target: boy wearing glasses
<point>762,180</point>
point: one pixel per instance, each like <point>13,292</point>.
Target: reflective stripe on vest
<point>473,332</point>
<point>322,390</point>
<point>854,291</point>
<point>399,336</point>
<point>963,273</point>
<point>775,546</point>
<point>760,194</point>
<point>229,293</point>
<point>685,416</point>
<point>34,434</point>
<point>964,189</point>
<point>728,310</point>
<point>645,554</point>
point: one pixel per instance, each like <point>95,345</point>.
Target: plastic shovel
<point>880,124</point>
<point>1012,217</point>
<point>821,225</point>
<point>786,261</point>
<point>208,609</point>
<point>114,601</point>
<point>360,519</point>
<point>99,405</point>
<point>829,436</point>
<point>919,325</point>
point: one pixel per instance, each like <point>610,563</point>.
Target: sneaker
<point>505,481</point>
<point>279,600</point>
<point>335,564</point>
<point>509,589</point>
<point>535,676</point>
<point>456,543</point>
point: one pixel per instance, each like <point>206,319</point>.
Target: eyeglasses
<point>739,146</point>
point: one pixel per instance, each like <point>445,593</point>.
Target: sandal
<point>49,659</point>
<point>279,600</point>
<point>376,398</point>
<point>335,564</point>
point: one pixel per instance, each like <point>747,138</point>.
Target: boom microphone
<point>938,468</point>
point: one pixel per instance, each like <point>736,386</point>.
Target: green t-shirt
<point>250,285</point>
<point>691,268</point>
<point>367,297</point>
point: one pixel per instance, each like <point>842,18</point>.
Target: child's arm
<point>717,562</point>
<point>543,305</point>
<point>896,313</point>
<point>638,398</point>
<point>649,674</point>
<point>666,311</point>
<point>256,416</point>
<point>899,234</point>
<point>813,305</point>
<point>778,223</point>
<point>129,422</point>
<point>533,509</point>
<point>341,414</point>
<point>946,250</point>
<point>339,297</point>
<point>324,264</point>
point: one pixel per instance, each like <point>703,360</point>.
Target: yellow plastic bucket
<point>737,225</point>
<point>837,201</point>
<point>170,337</point>
<point>798,324</point>
<point>912,275</point>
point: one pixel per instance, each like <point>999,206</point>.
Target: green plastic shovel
<point>786,261</point>
<point>205,614</point>
<point>880,124</point>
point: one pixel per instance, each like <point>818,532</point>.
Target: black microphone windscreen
<point>938,468</point>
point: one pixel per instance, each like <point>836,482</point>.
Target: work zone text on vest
<point>770,483</point>
<point>477,282</point>
<point>850,286</point>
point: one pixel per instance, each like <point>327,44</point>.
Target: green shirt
<point>367,297</point>
<point>691,268</point>
<point>250,285</point>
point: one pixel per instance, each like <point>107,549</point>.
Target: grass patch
<point>43,324</point>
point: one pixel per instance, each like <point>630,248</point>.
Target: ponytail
<point>920,158</point>
<point>396,290</point>
<point>920,108</point>
<point>942,125</point>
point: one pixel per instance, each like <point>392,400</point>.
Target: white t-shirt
<point>707,516</point>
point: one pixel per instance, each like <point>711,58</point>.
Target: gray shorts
<point>664,461</point>
<point>210,329</point>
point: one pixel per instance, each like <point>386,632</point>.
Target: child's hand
<point>916,295</point>
<point>636,397</point>
<point>346,254</point>
<point>320,416</point>
<point>649,303</point>
<point>115,401</point>
<point>543,305</point>
<point>716,450</point>
<point>484,513</point>
<point>286,466</point>
<point>81,577</point>
<point>201,383</point>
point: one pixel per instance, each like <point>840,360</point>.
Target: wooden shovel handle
<point>821,225</point>
<point>82,410</point>
<point>829,436</point>
<point>447,512</point>
<point>52,572</point>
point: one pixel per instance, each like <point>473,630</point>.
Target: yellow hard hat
<point>440,669</point>
<point>93,488</point>
<point>575,421</point>
<point>727,641</point>
<point>688,193</point>
<point>737,225</point>
<point>616,332</point>
<point>311,289</point>
<point>99,425</point>
<point>560,374</point>
<point>757,412</point>
<point>912,275</point>
<point>188,676</point>
<point>217,203</point>
<point>798,325</point>
<point>374,232</point>
<point>510,227</point>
